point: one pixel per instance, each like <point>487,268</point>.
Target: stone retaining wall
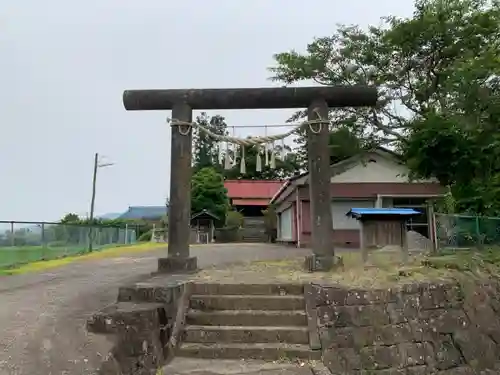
<point>413,330</point>
<point>140,325</point>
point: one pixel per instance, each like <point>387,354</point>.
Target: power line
<point>261,126</point>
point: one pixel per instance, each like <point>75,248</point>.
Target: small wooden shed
<point>203,227</point>
<point>382,227</point>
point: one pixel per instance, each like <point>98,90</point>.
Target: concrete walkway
<point>42,316</point>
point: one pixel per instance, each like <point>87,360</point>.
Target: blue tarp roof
<point>360,212</point>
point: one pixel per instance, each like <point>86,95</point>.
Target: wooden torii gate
<point>318,100</point>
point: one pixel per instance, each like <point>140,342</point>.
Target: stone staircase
<point>247,321</point>
<point>254,230</point>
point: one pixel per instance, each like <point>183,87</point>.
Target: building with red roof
<point>251,196</point>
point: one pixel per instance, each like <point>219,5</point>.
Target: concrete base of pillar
<point>320,263</point>
<point>179,265</point>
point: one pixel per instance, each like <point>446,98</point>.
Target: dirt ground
<point>43,315</point>
<point>382,269</point>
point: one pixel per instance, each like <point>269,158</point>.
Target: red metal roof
<point>245,189</point>
<point>250,202</point>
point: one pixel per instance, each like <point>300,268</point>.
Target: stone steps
<point>263,351</point>
<point>253,236</point>
<point>254,221</point>
<point>254,230</point>
<point>249,289</point>
<point>247,321</point>
<point>246,334</point>
<point>246,302</point>
<point>247,318</point>
<point>260,239</point>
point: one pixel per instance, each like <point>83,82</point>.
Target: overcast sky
<point>64,65</point>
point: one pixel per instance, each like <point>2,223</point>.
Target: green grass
<point>383,269</point>
<point>472,261</point>
<point>15,256</point>
<point>62,260</point>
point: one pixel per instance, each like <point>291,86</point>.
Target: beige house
<point>374,179</point>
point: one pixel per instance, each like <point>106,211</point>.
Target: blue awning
<point>358,213</point>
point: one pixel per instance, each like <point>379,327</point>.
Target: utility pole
<point>92,201</point>
<point>94,180</point>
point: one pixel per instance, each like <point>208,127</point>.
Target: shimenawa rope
<point>251,141</point>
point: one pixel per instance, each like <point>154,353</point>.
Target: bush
<point>228,234</point>
<point>234,219</point>
<point>146,236</point>
<point>270,221</point>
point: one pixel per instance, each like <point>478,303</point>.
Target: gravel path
<point>42,316</point>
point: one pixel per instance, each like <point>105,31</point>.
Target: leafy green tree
<point>437,74</point>
<point>70,218</point>
<point>234,219</point>
<point>343,142</point>
<point>208,193</point>
<point>205,148</point>
<point>64,234</point>
<point>415,59</point>
<point>461,146</point>
<point>343,145</point>
<point>71,232</point>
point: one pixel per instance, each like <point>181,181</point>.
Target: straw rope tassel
<point>273,156</point>
<point>250,141</point>
<point>243,168</point>
<point>266,150</point>
<point>220,155</point>
<point>258,163</point>
<point>227,159</point>
<point>283,150</point>
<point>235,156</point>
<point>235,150</point>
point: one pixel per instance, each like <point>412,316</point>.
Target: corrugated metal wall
<point>286,225</point>
<point>339,210</point>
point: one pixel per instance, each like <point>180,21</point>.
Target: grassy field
<point>60,258</point>
<point>14,256</point>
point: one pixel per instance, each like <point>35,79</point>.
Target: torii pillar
<point>183,102</point>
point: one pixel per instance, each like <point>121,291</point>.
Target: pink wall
<point>305,220</point>
<point>340,237</point>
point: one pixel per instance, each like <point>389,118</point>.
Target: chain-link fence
<point>24,242</point>
<point>466,232</point>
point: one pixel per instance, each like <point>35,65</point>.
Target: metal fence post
<point>12,239</point>
<point>435,245</point>
<point>43,235</point>
<point>478,233</point>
